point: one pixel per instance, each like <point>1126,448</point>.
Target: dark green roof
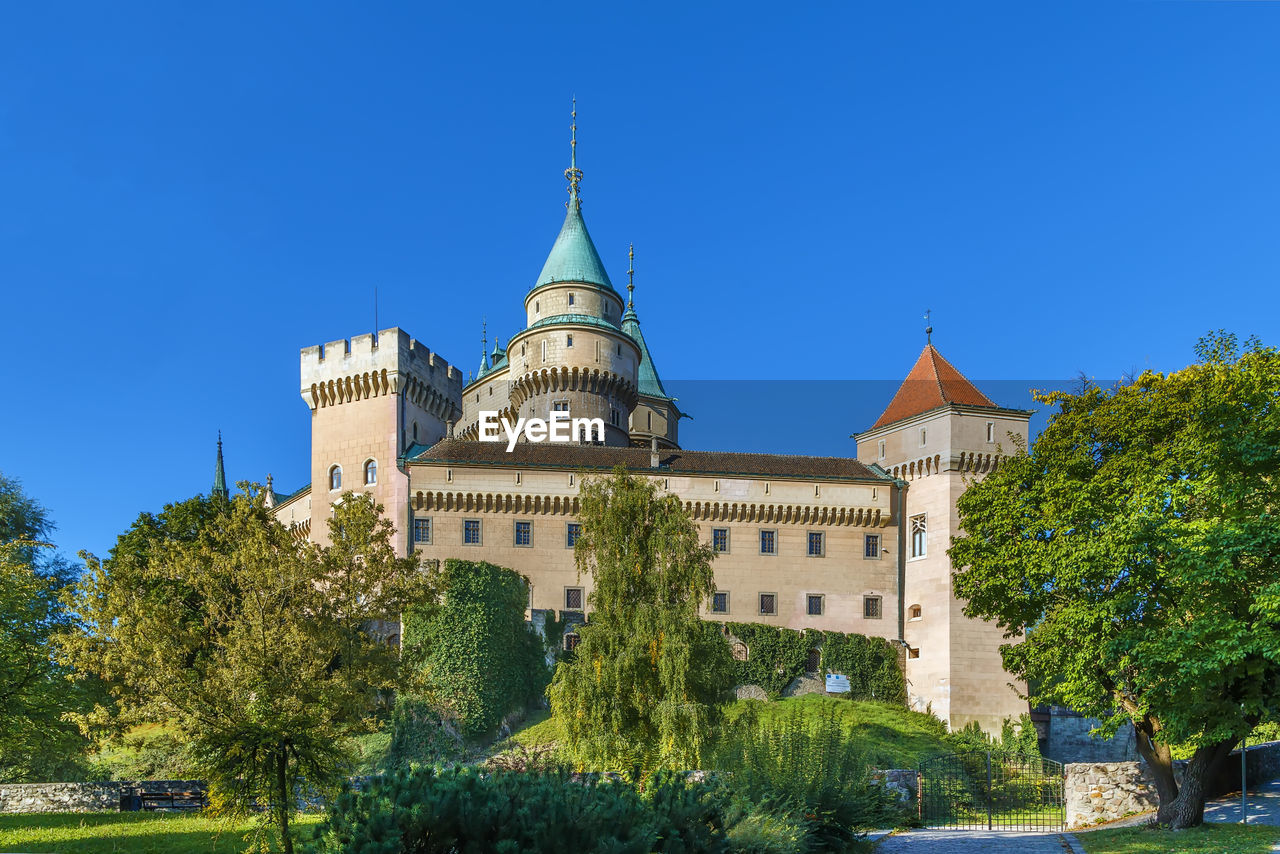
<point>580,319</point>
<point>219,474</point>
<point>646,375</point>
<point>573,256</point>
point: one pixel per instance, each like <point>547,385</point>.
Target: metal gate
<point>989,790</point>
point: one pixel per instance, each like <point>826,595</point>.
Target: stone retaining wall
<point>81,797</point>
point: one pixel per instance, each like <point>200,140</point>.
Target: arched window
<point>739,651</point>
<point>335,477</point>
<point>370,472</point>
<point>813,661</point>
<point>916,612</point>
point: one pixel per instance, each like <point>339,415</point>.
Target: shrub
<point>776,655</point>
<point>437,812</point>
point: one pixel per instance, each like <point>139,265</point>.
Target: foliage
<point>250,640</point>
<point>134,832</point>
<point>419,736</point>
<point>648,677</point>
<point>805,766</point>
<point>439,812</point>
<point>144,752</point>
<point>777,655</point>
<point>1015,737</point>
<point>36,743</point>
<point>1205,839</point>
<point>1136,545</point>
<point>475,657</point>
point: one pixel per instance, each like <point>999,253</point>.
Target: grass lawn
<point>133,832</point>
<point>1205,839</point>
<point>889,736</point>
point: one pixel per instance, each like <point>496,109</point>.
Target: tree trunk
<point>1158,759</point>
<point>282,795</point>
<point>1187,809</point>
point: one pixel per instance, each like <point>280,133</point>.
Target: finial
<point>631,285</point>
<point>484,335</point>
<point>219,474</point>
<point>573,174</point>
<point>928,327</point>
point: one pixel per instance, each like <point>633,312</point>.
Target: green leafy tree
<point>645,684</point>
<point>254,643</point>
<point>476,658</point>
<point>1137,547</point>
<point>36,743</point>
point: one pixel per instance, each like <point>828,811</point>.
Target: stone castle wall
<point>81,797</point>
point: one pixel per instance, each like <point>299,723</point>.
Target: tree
<point>475,657</point>
<point>36,743</point>
<point>253,642</point>
<point>647,678</point>
<point>1137,546</point>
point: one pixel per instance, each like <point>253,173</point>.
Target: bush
<point>775,656</point>
<point>438,812</point>
<point>806,770</point>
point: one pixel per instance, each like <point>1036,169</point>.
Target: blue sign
<point>837,684</point>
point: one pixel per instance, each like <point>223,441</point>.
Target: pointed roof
<point>932,382</point>
<point>646,374</point>
<point>573,256</point>
<point>219,474</point>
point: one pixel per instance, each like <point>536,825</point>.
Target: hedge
<point>776,656</point>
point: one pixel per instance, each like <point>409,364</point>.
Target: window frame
<point>571,535</point>
<point>582,599</point>
<point>923,532</point>
<point>714,532</point>
<point>773,532</point>
<point>822,543</point>
<point>515,533</point>
<point>760,611</point>
<point>370,464</point>
<point>871,546</point>
<point>414,530</point>
<point>809,599</point>
<point>711,608</point>
<point>335,473</point>
<point>479,541</point>
<point>879,607</point>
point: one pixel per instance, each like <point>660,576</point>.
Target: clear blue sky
<point>190,194</point>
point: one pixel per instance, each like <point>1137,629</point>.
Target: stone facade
<point>1067,739</point>
<point>1095,792</point>
<point>81,797</point>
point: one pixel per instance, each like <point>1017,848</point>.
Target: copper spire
<point>631,285</point>
<point>573,173</point>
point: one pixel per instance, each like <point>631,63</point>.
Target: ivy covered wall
<point>771,657</point>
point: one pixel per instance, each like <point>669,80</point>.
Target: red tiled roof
<point>933,382</point>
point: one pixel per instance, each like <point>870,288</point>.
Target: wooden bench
<point>172,800</point>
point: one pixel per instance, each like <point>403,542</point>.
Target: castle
<point>845,544</point>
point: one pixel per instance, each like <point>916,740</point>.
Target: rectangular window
<point>991,431</point>
<point>471,532</point>
<point>524,533</point>
<point>422,530</point>
<point>768,542</point>
<point>871,607</point>
<point>816,544</point>
<point>559,406</point>
<point>871,547</point>
<point>572,531</point>
<point>568,340</point>
<point>720,539</point>
<point>881,449</point>
<point>919,538</point>
<point>814,603</point>
<point>720,602</point>
<point>924,437</point>
<point>768,604</point>
<point>573,598</point>
<point>570,299</point>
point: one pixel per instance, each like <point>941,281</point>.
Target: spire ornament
<point>573,174</point>
<point>928,327</point>
<point>219,475</point>
<point>631,272</point>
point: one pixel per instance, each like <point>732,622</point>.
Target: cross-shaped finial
<point>631,285</point>
<point>928,327</point>
<point>573,174</point>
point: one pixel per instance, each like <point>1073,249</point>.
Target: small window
<point>871,546</point>
<point>813,661</point>
<point>371,473</point>
<point>913,652</point>
<point>814,604</point>
<point>619,349</point>
<point>919,536</point>
<point>335,477</point>
<point>568,340</point>
<point>720,602</point>
<point>881,449</point>
<point>536,309</point>
<point>916,612</point>
<point>816,544</point>
<point>615,418</point>
<point>571,641</point>
<point>544,351</point>
<point>766,489</point>
<point>740,652</point>
<point>518,478</point>
<point>924,437</point>
<point>871,607</point>
<point>572,531</point>
<point>559,406</point>
<point>524,534</point>
<point>448,475</point>
<point>471,532</point>
<point>522,346</point>
<point>720,539</point>
<point>573,598</point>
<point>570,299</point>
<point>768,542</point>
<point>421,530</point>
<point>817,491</point>
<point>415,431</point>
<point>768,604</point>
<point>571,480</point>
<point>991,431</point>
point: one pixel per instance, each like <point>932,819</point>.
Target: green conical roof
<point>219,474</point>
<point>573,256</point>
<point>646,375</point>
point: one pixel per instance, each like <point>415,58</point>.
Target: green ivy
<point>477,659</point>
<point>776,656</point>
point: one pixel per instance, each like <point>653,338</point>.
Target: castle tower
<point>656,415</point>
<point>573,353</point>
<point>938,433</point>
<point>219,475</point>
<point>372,398</point>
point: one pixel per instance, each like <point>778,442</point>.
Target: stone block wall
<point>1095,792</point>
<point>1067,739</point>
<point>81,797</point>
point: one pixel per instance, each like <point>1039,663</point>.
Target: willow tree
<point>253,642</point>
<point>1137,546</point>
<point>646,681</point>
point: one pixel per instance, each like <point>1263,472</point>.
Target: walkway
<point>973,842</point>
<point>1262,806</point>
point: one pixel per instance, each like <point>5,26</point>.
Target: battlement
<point>389,362</point>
